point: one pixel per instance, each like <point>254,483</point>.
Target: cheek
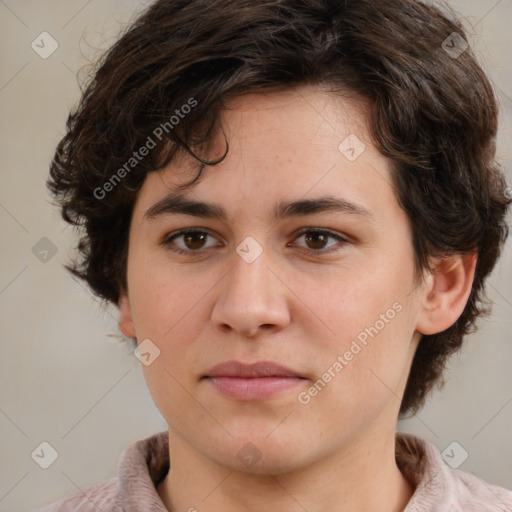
<point>168,390</point>
<point>162,298</point>
<point>359,306</point>
<point>371,318</point>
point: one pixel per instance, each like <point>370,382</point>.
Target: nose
<point>253,298</point>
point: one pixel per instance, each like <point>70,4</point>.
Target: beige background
<point>65,378</point>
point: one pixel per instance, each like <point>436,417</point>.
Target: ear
<point>125,321</point>
<point>446,293</point>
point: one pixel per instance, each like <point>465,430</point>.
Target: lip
<point>253,381</point>
<point>251,370</point>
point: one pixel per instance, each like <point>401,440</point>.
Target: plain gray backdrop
<point>67,379</point>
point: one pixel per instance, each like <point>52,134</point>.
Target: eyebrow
<point>179,204</point>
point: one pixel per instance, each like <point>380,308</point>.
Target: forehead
<point>306,108</point>
<point>301,143</point>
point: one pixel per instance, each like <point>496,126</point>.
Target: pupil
<point>309,238</point>
<point>189,240</point>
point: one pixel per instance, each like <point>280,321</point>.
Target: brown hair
<point>433,112</point>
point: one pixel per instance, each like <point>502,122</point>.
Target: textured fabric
<point>144,464</point>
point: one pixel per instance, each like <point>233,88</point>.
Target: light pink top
<point>144,464</point>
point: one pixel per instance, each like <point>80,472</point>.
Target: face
<point>308,272</point>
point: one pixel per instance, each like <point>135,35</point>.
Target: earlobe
<point>125,320</point>
<point>447,293</point>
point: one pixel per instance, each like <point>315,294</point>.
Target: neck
<point>363,477</point>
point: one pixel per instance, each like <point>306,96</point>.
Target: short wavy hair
<point>431,109</point>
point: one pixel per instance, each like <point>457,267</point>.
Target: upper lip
<point>250,370</point>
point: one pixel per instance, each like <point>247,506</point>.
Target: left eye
<point>319,237</point>
<point>194,241</point>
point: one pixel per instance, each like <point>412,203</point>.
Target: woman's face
<point>333,331</point>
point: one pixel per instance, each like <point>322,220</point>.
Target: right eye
<point>193,241</point>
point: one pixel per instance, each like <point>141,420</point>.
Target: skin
<point>297,309</point>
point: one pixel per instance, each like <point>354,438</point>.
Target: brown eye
<point>316,241</point>
<point>191,241</point>
<point>194,240</point>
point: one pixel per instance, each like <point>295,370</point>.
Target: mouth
<point>252,382</point>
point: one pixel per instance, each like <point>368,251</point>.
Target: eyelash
<point>166,242</point>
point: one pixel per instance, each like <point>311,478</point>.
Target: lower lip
<point>253,389</point>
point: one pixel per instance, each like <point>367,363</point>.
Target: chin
<point>261,455</point>
<point>274,464</point>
